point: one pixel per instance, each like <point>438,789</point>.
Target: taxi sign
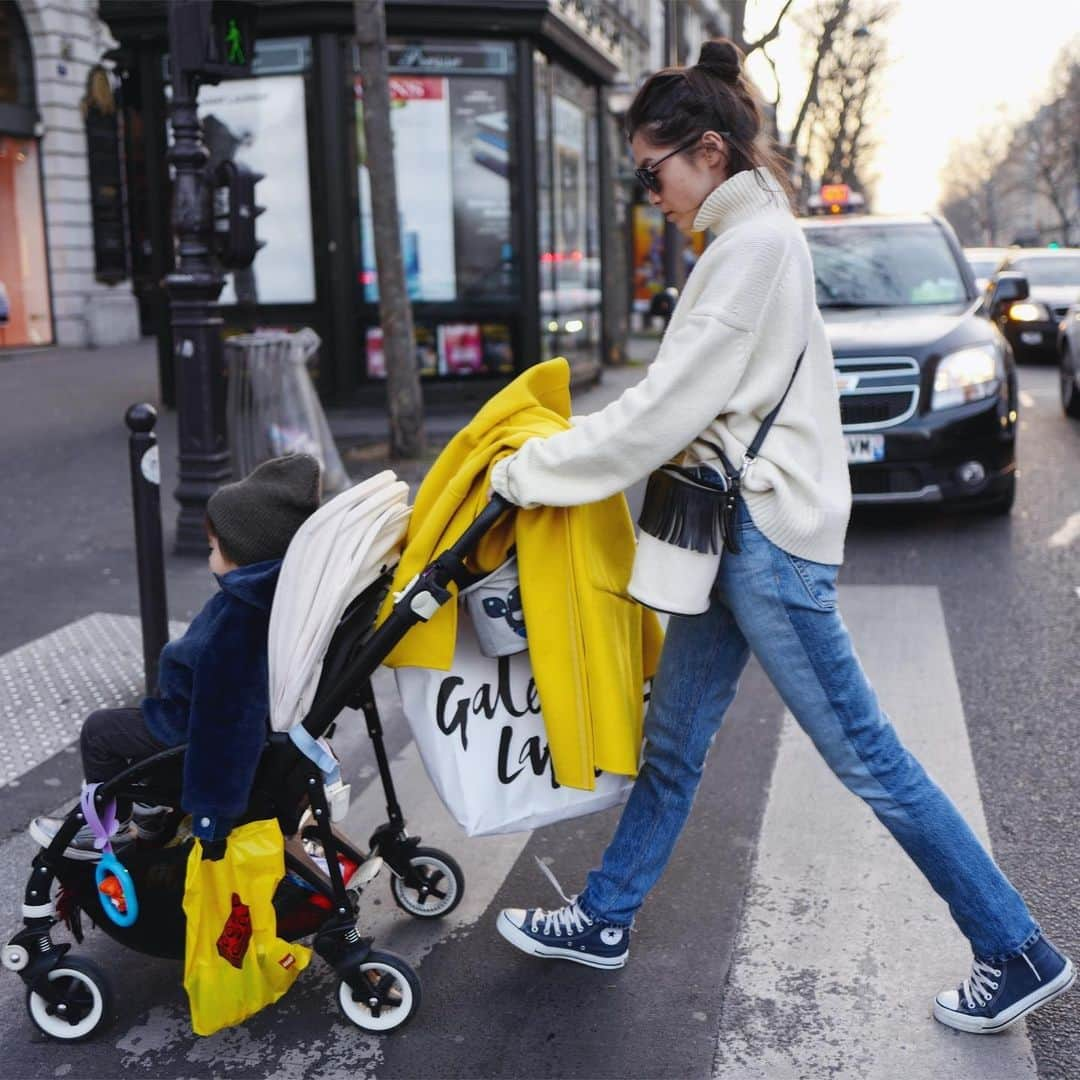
<point>835,193</point>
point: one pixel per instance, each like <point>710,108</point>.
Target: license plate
<point>865,448</point>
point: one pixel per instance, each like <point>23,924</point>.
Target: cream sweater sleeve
<point>700,362</point>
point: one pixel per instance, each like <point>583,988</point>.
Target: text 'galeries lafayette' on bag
<point>481,737</point>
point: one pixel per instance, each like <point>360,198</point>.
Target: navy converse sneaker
<point>997,994</point>
<point>566,933</point>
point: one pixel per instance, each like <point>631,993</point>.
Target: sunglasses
<point>647,173</point>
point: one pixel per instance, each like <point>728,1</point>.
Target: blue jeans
<point>783,609</point>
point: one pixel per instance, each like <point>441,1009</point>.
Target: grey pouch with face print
<point>494,605</point>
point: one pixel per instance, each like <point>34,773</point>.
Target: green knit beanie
<point>255,518</point>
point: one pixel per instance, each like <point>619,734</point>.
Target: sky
<point>956,65</point>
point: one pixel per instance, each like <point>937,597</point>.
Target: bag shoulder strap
<point>759,438</point>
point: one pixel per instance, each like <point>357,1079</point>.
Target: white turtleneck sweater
<point>746,312</point>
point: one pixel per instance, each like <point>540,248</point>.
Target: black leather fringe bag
<point>696,508</point>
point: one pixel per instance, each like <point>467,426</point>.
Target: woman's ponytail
<point>715,94</point>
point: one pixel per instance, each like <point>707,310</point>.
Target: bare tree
<point>834,129</point>
<point>405,402</point>
<point>975,182</point>
<point>1053,135</point>
<point>736,12</point>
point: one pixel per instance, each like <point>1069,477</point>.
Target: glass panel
<point>25,313</point>
<point>449,349</point>
<point>455,165</point>
<point>548,325</point>
<point>16,77</point>
<point>574,312</point>
<point>262,123</point>
<point>648,254</point>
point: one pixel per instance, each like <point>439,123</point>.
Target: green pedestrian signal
<point>235,42</point>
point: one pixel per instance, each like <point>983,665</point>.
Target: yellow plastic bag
<point>234,962</point>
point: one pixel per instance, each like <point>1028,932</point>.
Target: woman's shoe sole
<point>520,940</point>
<point>991,1025</point>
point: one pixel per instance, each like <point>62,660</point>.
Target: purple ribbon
<point>102,826</point>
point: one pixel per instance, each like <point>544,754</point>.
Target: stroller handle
<point>417,603</point>
<point>483,521</point>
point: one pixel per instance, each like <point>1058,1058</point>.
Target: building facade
<point>500,123</point>
<point>62,263</point>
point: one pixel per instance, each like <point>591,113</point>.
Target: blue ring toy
<point>110,864</point>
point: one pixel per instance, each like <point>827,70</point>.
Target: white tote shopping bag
<point>481,737</point>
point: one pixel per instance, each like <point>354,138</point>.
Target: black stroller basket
<point>68,997</point>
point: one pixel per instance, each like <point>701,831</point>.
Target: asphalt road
<point>1009,590</point>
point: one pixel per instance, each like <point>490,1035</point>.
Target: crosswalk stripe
<point>842,943</point>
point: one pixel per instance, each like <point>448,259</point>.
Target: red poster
<point>461,349</point>
<point>376,361</point>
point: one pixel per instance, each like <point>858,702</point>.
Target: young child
<point>213,682</point>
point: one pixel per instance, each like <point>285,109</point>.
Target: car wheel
<point>1070,392</point>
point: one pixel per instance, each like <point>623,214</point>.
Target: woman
<point>747,313</point>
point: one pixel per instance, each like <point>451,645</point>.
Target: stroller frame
<point>287,786</point>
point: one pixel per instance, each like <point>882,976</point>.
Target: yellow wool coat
<point>591,646</point>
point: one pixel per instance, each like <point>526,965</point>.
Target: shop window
<point>16,68</point>
<point>25,313</point>
<point>455,163</point>
<point>262,122</point>
<point>567,149</point>
<point>106,187</point>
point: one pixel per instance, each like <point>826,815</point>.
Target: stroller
<point>68,997</point>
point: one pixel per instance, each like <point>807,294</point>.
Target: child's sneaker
<point>44,829</point>
<point>998,994</point>
<point>150,822</point>
<point>567,933</point>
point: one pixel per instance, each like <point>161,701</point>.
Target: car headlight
<point>1027,311</point>
<point>967,375</point>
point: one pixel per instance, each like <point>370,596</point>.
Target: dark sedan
<point>1031,325</point>
<point>927,384</point>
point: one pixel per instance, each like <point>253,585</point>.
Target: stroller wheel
<point>388,993</point>
<point>85,1005</point>
<point>432,886</point>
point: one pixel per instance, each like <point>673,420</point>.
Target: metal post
<point>193,289</point>
<point>149,550</point>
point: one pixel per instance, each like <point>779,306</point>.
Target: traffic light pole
<point>193,288</point>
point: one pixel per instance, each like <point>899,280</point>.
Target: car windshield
<point>884,266</point>
<point>983,267</point>
<point>1054,270</point>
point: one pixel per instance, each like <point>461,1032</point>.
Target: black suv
<point>927,383</point>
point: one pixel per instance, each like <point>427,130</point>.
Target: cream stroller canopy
<point>336,554</point>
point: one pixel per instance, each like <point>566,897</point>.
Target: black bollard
<point>149,549</point>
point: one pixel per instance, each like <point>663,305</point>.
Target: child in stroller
<point>69,998</point>
<point>213,681</point>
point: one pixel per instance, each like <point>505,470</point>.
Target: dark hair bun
<point>721,58</point>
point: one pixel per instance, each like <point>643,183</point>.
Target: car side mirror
<point>1008,287</point>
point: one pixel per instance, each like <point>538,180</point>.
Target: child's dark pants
<point>111,740</point>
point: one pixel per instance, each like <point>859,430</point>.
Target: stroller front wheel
<point>386,993</point>
<point>432,886</point>
<point>83,1001</point>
